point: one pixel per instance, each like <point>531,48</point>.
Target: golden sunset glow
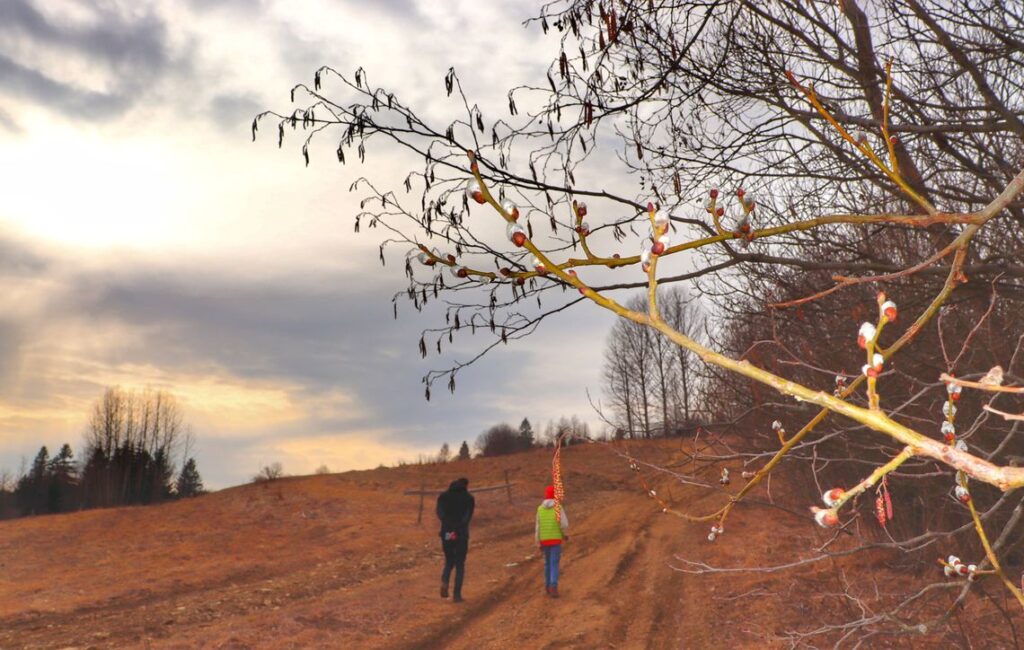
<point>147,242</point>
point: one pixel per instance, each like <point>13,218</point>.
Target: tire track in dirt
<point>133,618</point>
<point>349,586</point>
<point>602,577</point>
<point>644,576</point>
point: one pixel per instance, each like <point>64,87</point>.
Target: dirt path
<point>384,594</point>
<point>337,562</point>
<point>601,576</point>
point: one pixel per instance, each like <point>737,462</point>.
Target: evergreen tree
<point>40,464</point>
<point>62,481</point>
<point>445,454</point>
<point>190,484</point>
<point>464,451</point>
<point>7,486</point>
<point>526,434</point>
<point>157,478</point>
<point>32,492</point>
<point>63,464</point>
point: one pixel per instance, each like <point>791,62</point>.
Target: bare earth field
<point>337,561</point>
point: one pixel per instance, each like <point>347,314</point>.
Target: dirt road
<point>338,562</point>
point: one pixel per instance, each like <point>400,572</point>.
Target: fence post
<point>508,487</point>
<point>423,490</point>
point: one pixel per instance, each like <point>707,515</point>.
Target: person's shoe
<point>547,589</point>
<point>553,591</point>
<point>457,599</point>
<point>444,591</point>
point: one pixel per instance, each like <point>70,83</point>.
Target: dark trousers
<point>454,557</point>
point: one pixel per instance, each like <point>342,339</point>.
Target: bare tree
<point>270,472</point>
<point>445,454</point>
<point>618,382</point>
<point>684,315</point>
<point>567,429</point>
<point>647,375</point>
<point>867,175</point>
<point>131,441</point>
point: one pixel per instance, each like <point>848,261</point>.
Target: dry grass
<point>338,561</point>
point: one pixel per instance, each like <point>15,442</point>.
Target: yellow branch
<point>874,477</point>
<point>991,554</point>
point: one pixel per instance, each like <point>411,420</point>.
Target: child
<point>550,533</point>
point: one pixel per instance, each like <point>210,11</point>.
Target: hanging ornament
<point>866,334</point>
<point>511,209</point>
<point>832,497</point>
<point>516,234</point>
<point>475,191</point>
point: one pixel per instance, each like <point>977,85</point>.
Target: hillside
<point>337,561</point>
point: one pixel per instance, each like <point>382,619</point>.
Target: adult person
<point>455,510</point>
<point>550,533</point>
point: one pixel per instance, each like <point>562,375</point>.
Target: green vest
<point>549,527</point>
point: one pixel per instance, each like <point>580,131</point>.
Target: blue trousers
<point>552,554</point>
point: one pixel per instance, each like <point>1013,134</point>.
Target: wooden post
<point>423,495</point>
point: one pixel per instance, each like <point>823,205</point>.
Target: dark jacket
<point>455,509</point>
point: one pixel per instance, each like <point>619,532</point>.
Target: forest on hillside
<point>132,444</point>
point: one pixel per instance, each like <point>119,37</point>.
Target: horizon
<point>149,243</point>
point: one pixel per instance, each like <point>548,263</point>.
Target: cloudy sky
<point>145,241</point>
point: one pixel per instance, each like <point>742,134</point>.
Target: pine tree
<point>40,464</point>
<point>33,488</point>
<point>526,434</point>
<point>445,454</point>
<point>464,451</point>
<point>62,465</point>
<point>62,481</point>
<point>190,484</point>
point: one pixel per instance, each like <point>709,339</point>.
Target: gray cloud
<point>322,332</point>
<point>213,5</point>
<point>401,9</point>
<point>319,333</point>
<point>234,112</point>
<point>19,259</point>
<point>134,51</point>
<point>35,86</point>
<point>8,123</point>
<point>325,337</point>
<point>140,43</point>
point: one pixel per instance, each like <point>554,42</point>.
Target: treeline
<point>503,438</point>
<point>130,446</point>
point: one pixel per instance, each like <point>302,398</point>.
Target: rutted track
<point>337,562</point>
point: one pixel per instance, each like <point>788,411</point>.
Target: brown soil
<point>338,561</point>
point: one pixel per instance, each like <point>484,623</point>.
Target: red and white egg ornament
<point>832,497</point>
<point>511,209</point>
<point>516,234</point>
<point>475,191</point>
<point>866,334</point>
<point>825,518</point>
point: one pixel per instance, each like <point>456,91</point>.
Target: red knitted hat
<point>549,492</point>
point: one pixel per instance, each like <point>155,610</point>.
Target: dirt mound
<point>337,561</point>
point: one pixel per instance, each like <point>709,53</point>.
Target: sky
<point>147,242</point>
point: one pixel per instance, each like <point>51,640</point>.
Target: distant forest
<point>131,443</point>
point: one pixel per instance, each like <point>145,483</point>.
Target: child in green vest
<point>550,533</point>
